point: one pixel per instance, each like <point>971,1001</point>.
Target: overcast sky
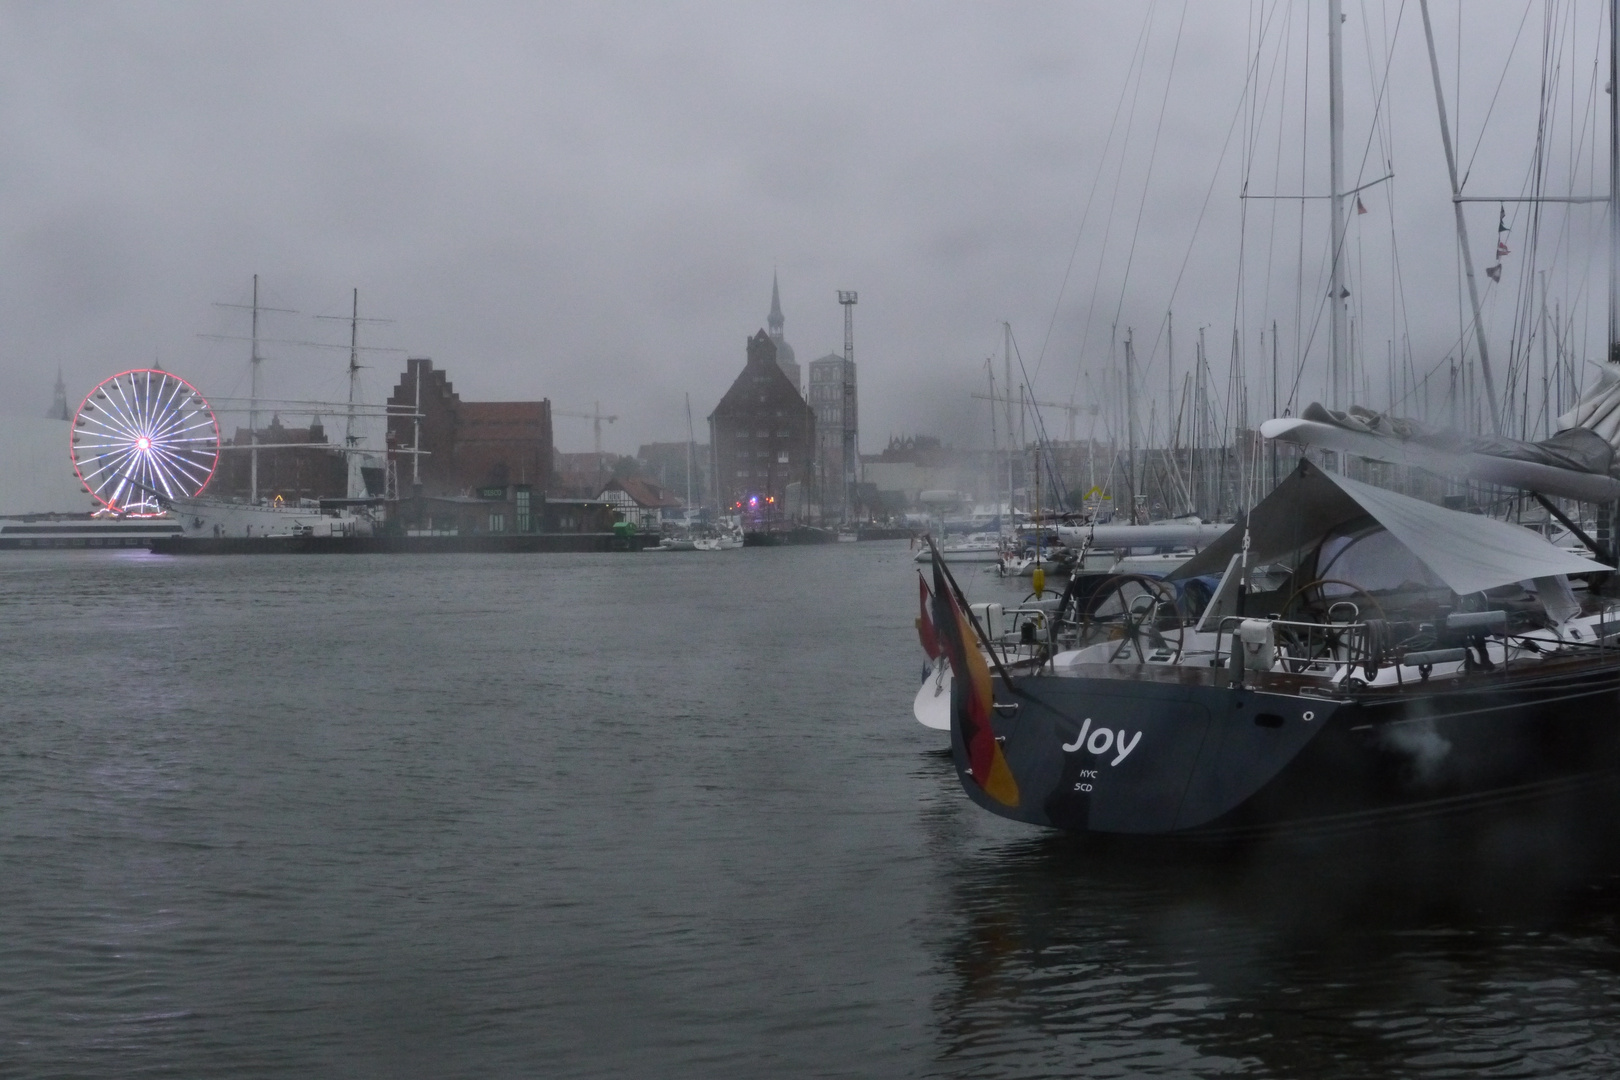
<point>586,202</point>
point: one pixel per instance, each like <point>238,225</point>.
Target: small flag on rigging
<point>1494,272</point>
<point>1501,220</point>
<point>1502,249</point>
<point>1360,207</point>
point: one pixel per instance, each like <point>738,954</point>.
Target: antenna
<point>851,463</point>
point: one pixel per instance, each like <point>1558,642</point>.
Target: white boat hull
<point>932,705</point>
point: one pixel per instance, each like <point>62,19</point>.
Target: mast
<point>1006,387</point>
<point>1273,442</point>
<point>1169,376</point>
<point>995,443</point>
<point>256,360</point>
<point>1336,294</point>
<point>691,452</point>
<point>1130,419</point>
<point>1462,228</point>
<point>1614,181</point>
<point>850,450</point>
<point>356,484</point>
<point>1200,430</point>
<point>253,401</point>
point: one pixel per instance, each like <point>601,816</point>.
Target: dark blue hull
<point>1177,753</point>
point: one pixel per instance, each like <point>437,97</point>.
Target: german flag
<point>925,621</point>
<point>973,696</point>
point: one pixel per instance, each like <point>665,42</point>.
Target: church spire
<point>775,320</point>
<point>59,405</point>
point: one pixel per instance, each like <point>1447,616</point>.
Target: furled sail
<point>1598,411</point>
<point>1578,462</point>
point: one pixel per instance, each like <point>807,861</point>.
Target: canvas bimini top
<point>1468,552</point>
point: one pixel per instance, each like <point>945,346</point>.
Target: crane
<point>1071,408</point>
<point>596,418</point>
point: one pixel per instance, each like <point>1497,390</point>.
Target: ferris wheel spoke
<point>117,462</point>
<point>131,411</point>
<point>110,433</point>
<point>168,394</point>
<point>113,424</point>
<point>176,430</point>
<point>177,466</point>
<point>168,415</point>
<point>118,492</point>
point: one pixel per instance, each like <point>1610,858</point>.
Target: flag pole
<point>961,600</point>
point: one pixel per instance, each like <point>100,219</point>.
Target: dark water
<point>651,816</point>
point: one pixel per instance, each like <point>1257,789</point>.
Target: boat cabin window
<point>1373,560</point>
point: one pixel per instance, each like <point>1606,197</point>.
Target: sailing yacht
<point>1343,657</point>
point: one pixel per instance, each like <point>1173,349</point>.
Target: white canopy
<point>1468,552</point>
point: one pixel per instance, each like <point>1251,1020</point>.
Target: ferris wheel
<point>141,436</point>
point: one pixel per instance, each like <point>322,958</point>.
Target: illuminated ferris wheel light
<point>142,436</point>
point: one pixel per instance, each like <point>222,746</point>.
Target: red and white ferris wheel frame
<point>151,435</point>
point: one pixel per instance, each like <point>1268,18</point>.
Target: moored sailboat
<point>1344,656</point>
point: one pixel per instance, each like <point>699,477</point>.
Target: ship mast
<point>253,401</point>
<point>691,455</point>
<point>1614,181</point>
<point>1462,229</point>
<point>356,484</point>
<point>1336,290</point>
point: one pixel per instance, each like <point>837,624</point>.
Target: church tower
<point>784,351</point>
<point>59,405</point>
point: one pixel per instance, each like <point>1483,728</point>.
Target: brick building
<point>467,444</point>
<point>286,467</point>
<point>762,436</point>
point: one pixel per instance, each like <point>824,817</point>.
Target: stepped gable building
<point>762,435</point>
<point>784,351</point>
<point>468,445</point>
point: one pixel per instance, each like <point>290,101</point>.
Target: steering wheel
<point>1303,660</point>
<point>1140,620</point>
<point>1317,584</point>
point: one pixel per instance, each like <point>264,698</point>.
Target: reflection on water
<point>1073,961</point>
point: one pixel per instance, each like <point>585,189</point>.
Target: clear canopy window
<point>1373,561</point>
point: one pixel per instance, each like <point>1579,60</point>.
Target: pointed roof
<point>762,382</point>
<point>59,403</point>
<point>775,319</point>
<point>643,492</point>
